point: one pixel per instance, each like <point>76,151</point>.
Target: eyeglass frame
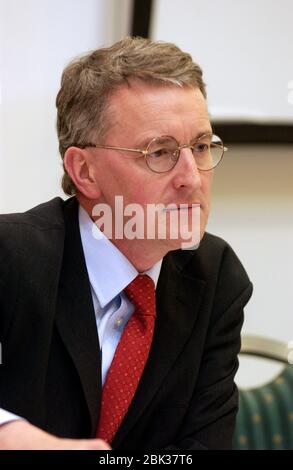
<point>145,152</point>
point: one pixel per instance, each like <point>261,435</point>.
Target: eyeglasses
<point>162,153</point>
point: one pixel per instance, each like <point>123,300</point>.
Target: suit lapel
<point>176,316</point>
<point>75,314</point>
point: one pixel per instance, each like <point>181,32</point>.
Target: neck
<point>142,253</point>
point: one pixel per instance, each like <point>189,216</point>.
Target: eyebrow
<point>200,134</point>
<point>147,140</point>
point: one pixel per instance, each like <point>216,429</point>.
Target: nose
<point>185,173</point>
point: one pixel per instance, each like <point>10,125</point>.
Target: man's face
<point>138,114</point>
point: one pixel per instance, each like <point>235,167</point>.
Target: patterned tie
<point>129,359</point>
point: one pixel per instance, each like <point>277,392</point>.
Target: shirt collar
<point>108,269</point>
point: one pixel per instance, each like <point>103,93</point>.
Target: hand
<point>21,435</point>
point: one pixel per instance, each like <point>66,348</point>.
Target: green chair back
<point>265,417</point>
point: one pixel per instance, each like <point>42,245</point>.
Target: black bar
<point>141,19</point>
<point>114,459</point>
<point>247,133</point>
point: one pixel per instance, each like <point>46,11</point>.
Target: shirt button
<point>118,321</point>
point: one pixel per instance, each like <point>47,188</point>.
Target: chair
<point>265,416</point>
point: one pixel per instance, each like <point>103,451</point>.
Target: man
<point>80,366</point>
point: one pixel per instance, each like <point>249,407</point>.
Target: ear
<point>78,164</point>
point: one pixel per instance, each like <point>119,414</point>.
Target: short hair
<point>89,80</point>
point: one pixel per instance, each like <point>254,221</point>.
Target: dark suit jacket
<point>50,372</point>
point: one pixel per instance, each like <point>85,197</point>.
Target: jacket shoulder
<point>228,271</point>
<point>30,228</point>
<point>43,216</point>
<point>31,248</point>
<point>215,263</point>
<point>220,253</point>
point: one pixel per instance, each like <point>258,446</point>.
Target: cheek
<point>130,180</point>
<point>142,196</point>
<point>207,180</point>
<point>133,191</point>
<point>141,189</point>
<point>111,181</point>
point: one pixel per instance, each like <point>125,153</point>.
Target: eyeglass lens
<point>163,152</point>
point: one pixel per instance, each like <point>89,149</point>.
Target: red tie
<point>129,359</point>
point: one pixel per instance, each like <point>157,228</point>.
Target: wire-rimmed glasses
<point>162,153</point>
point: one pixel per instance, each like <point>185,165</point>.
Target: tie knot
<point>141,291</point>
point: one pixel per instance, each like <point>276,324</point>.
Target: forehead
<point>158,109</point>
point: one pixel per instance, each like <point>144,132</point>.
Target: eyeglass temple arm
<point>225,149</point>
<point>110,147</point>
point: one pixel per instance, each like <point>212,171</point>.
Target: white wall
<point>253,210</point>
<point>38,38</point>
<point>244,47</point>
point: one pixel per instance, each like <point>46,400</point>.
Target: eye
<point>162,148</point>
<point>159,152</point>
<point>200,148</point>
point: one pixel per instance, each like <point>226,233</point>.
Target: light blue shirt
<point>109,273</point>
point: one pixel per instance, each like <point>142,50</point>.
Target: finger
<point>84,444</point>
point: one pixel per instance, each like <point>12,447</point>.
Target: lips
<point>182,206</point>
